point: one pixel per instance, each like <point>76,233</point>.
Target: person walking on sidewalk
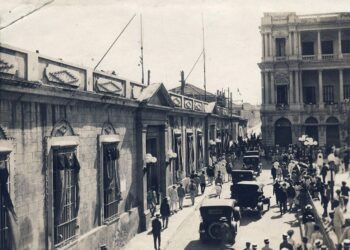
<point>193,191</point>
<point>151,202</point>
<point>202,182</point>
<point>338,220</point>
<point>165,212</point>
<point>273,173</point>
<point>181,193</point>
<point>345,195</point>
<point>267,245</point>
<point>156,231</point>
<point>173,198</point>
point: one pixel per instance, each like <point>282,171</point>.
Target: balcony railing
<point>282,106</point>
<point>328,57</point>
<point>309,57</point>
<point>281,58</point>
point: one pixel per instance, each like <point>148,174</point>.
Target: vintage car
<point>250,195</point>
<point>252,152</point>
<point>214,213</point>
<point>252,162</point>
<point>241,175</point>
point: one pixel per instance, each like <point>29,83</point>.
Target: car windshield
<point>215,212</point>
<point>250,160</point>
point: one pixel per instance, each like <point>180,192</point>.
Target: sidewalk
<point>144,240</point>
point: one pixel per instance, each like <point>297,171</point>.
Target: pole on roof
<point>148,77</point>
<point>204,70</point>
<point>183,82</point>
<point>141,58</point>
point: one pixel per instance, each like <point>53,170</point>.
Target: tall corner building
<point>305,77</point>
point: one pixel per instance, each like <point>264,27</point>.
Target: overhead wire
<point>29,13</point>
<point>194,65</point>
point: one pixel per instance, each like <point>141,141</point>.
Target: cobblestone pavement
<point>252,229</point>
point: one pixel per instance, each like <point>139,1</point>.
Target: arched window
<point>311,128</point>
<point>283,132</point>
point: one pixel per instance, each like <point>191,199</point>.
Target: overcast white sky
<point>80,31</point>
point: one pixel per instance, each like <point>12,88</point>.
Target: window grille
<point>111,180</point>
<point>5,236</point>
<point>346,91</point>
<point>66,194</point>
<point>328,94</point>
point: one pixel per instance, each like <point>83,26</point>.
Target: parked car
<point>214,213</point>
<point>250,195</point>
<point>241,175</point>
<point>252,162</point>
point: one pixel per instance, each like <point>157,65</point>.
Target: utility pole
<point>141,58</point>
<point>148,77</point>
<point>204,69</point>
<point>182,82</point>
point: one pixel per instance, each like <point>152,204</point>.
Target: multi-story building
<point>305,77</point>
<point>79,150</point>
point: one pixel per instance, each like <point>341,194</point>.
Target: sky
<point>80,31</point>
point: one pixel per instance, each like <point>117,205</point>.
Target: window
<point>65,193</point>
<point>111,181</point>
<point>282,94</point>
<point>309,95</point>
<point>346,91</point>
<point>345,46</point>
<point>327,47</point>
<point>280,47</point>
<point>328,94</point>
<point>308,48</point>
<point>212,132</point>
<point>6,205</point>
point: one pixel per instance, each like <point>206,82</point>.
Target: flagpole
<point>204,68</point>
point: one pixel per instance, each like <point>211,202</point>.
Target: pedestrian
<point>290,196</point>
<point>285,244</point>
<point>279,173</point>
<point>156,231</point>
<point>197,181</point>
<point>346,233</point>
<point>346,244</point>
<point>345,195</point>
<point>173,198</point>
<point>276,187</point>
<point>151,202</point>
<point>273,173</point>
<point>210,173</point>
<point>309,226</point>
<point>317,244</point>
<point>291,241</point>
<point>254,247</point>
<point>338,220</point>
<point>192,191</point>
<point>267,245</point>
<point>165,212</point>
<point>316,235</point>
<point>325,198</point>
<point>283,198</point>
<point>229,168</point>
<point>247,246</point>
<point>202,182</point>
<point>181,193</point>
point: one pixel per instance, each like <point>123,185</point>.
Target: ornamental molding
<point>59,75</point>
<point>176,100</point>
<point>135,91</point>
<point>188,104</point>
<point>281,79</point>
<point>110,86</point>
<point>62,128</point>
<point>198,106</point>
<point>108,129</point>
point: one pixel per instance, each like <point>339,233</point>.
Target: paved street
<point>252,229</point>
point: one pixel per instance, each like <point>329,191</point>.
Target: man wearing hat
<point>267,245</point>
<point>254,247</point>
<point>247,246</point>
<point>156,231</point>
<point>346,231</point>
<point>317,245</point>
<point>346,244</point>
<point>285,244</point>
<point>290,234</point>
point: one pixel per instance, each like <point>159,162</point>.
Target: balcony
<point>312,107</point>
<point>331,107</point>
<point>281,58</point>
<point>309,57</point>
<point>282,106</point>
<point>328,57</point>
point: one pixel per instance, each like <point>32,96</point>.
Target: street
<point>271,226</point>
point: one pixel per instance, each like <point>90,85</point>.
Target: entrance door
<point>153,180</point>
<point>332,132</point>
<point>283,132</point>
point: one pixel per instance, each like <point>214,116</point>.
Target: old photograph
<point>174,125</point>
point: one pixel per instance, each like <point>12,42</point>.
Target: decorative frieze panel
<point>188,104</point>
<point>177,100</point>
<point>12,64</point>
<point>135,90</point>
<point>60,75</point>
<point>198,106</point>
<point>110,86</point>
<point>281,79</point>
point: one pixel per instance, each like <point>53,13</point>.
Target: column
<point>301,96</point>
<point>272,89</point>
<point>267,92</point>
<point>266,42</point>
<point>296,77</point>
<point>296,43</point>
<point>290,48</point>
<point>263,46</point>
<point>340,54</point>
<point>341,86</point>
<point>270,46</point>
<point>300,50</point>
<point>263,89</point>
<point>319,52</point>
<point>291,88</point>
<point>320,90</point>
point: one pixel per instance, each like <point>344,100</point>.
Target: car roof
<point>242,171</point>
<point>218,203</point>
<point>251,156</point>
<point>253,183</point>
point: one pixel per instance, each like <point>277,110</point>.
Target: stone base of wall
<point>113,236</point>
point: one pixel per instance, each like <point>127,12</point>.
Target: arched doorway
<point>332,132</point>
<point>283,132</point>
<point>311,128</point>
